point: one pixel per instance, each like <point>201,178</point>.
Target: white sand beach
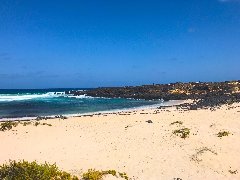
<point>125,142</point>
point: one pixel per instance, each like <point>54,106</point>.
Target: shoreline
<point>167,103</point>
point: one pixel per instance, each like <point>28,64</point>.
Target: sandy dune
<point>127,143</point>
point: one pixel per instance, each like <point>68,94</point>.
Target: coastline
<point>167,103</point>
<point>126,142</point>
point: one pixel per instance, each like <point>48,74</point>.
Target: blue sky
<point>74,43</point>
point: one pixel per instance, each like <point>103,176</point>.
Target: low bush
<point>24,170</point>
<point>183,133</point>
<point>8,125</point>
<point>36,123</point>
<point>177,122</point>
<point>123,175</point>
<point>93,174</point>
<point>223,133</point>
<point>26,123</point>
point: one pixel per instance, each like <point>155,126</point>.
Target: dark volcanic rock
<point>149,121</point>
<point>209,94</point>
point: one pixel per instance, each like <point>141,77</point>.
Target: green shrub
<point>223,133</point>
<point>177,122</point>
<point>123,175</point>
<point>233,172</point>
<point>24,170</point>
<point>36,123</point>
<point>26,123</point>
<point>46,124</point>
<point>183,133</point>
<point>92,174</point>
<point>8,125</point>
<point>112,172</point>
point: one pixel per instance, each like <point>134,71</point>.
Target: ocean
<point>24,103</point>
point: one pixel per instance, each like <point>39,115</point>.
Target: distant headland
<point>205,94</point>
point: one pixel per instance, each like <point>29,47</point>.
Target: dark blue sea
<point>21,103</point>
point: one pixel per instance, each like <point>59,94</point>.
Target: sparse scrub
<point>233,172</point>
<point>177,122</point>
<point>123,175</point>
<point>112,172</point>
<point>36,123</point>
<point>93,174</point>
<point>223,133</point>
<point>31,170</point>
<point>24,170</point>
<point>183,133</point>
<point>46,124</point>
<point>26,123</point>
<point>8,125</point>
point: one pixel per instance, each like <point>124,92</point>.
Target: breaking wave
<point>22,97</point>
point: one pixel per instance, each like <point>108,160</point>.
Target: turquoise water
<point>49,102</point>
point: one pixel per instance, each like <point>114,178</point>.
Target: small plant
<point>26,123</point>
<point>183,133</point>
<point>36,123</point>
<point>177,122</point>
<point>112,172</point>
<point>223,133</point>
<point>233,172</point>
<point>8,125</point>
<point>123,175</point>
<point>92,174</point>
<point>46,124</point>
<point>31,170</point>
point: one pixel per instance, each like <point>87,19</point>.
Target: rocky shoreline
<point>204,94</point>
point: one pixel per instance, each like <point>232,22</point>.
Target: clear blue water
<point>44,102</point>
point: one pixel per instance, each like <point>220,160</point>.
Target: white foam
<point>79,97</point>
<point>28,96</point>
<point>21,97</point>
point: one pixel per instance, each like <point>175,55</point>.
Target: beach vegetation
<point>46,124</point>
<point>223,133</point>
<point>23,170</point>
<point>26,123</point>
<point>177,122</point>
<point>32,170</point>
<point>7,125</point>
<point>93,174</point>
<point>183,133</point>
<point>112,172</point>
<point>123,175</point>
<point>36,123</point>
<point>233,172</point>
